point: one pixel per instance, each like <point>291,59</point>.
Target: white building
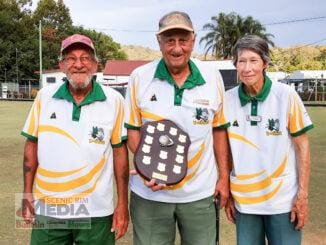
<point>227,70</point>
<point>308,75</point>
<point>277,76</point>
<point>56,76</point>
<point>116,72</point>
<point>307,80</point>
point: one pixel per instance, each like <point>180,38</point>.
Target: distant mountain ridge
<point>283,59</point>
<point>135,52</point>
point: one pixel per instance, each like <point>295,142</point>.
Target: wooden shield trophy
<point>162,152</point>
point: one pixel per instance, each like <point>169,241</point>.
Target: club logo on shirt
<point>153,98</point>
<point>273,127</point>
<point>97,136</point>
<point>53,116</point>
<point>201,116</point>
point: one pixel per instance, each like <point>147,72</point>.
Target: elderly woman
<point>270,149</point>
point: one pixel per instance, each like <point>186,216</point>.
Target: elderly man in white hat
<point>74,148</point>
<point>191,94</point>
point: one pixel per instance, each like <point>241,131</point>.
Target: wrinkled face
<point>79,65</point>
<point>250,67</point>
<point>176,46</point>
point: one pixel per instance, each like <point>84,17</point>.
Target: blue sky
<point>135,22</point>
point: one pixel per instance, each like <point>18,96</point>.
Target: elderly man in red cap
<point>189,93</point>
<point>74,148</point>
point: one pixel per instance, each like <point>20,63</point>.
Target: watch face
<point>162,152</point>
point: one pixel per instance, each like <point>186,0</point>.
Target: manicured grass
<point>12,118</point>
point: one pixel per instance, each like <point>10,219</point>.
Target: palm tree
<point>226,29</point>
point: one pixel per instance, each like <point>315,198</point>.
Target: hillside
<point>283,59</point>
<point>142,53</point>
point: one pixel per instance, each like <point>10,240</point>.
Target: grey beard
<point>79,86</point>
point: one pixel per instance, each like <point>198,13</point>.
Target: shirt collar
<point>244,98</point>
<point>194,79</point>
<point>97,93</point>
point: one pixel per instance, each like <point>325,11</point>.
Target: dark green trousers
<point>49,230</point>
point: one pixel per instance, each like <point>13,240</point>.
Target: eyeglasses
<point>70,60</point>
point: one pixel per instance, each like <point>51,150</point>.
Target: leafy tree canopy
<point>19,37</point>
<point>226,29</point>
<point>298,58</point>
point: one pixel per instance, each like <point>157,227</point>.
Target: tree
<point>56,22</point>
<point>106,48</point>
<point>226,29</point>
<point>53,14</point>
<point>19,38</point>
<point>15,34</point>
<point>298,58</point>
<point>57,25</point>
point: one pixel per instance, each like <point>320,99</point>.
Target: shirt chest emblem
<point>273,127</point>
<point>97,135</point>
<point>201,116</point>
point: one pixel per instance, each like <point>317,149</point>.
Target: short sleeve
<point>219,120</point>
<point>298,119</point>
<point>30,129</point>
<point>132,117</point>
<point>119,133</point>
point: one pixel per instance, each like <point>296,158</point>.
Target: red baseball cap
<point>77,38</point>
